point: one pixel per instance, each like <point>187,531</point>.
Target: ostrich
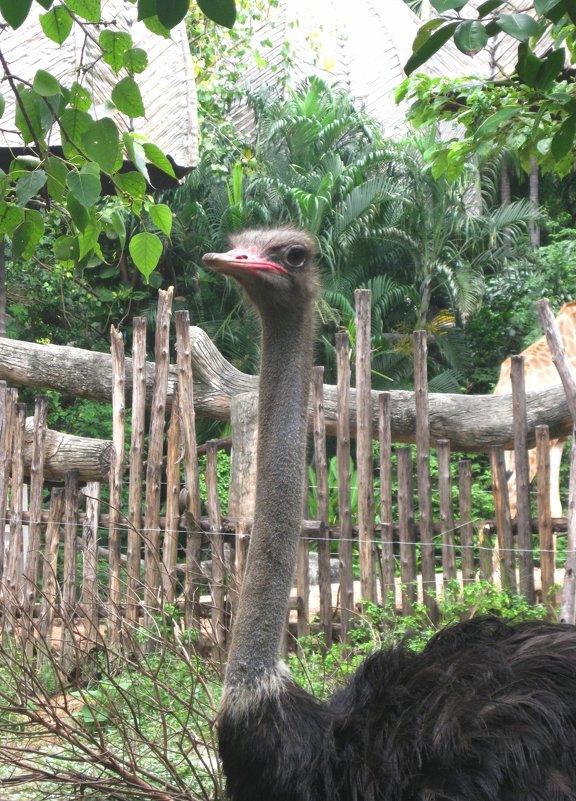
<point>487,712</point>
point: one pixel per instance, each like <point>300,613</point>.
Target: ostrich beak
<point>238,262</point>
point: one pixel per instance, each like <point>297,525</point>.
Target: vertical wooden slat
<point>89,601</point>
<point>14,572</point>
<point>70,543</point>
<point>544,513</point>
<point>6,432</point>
<point>406,530</point>
<point>423,471</point>
<point>216,537</point>
<point>170,545</point>
<point>446,511</point>
<point>485,553</point>
<point>193,574</point>
<point>321,464</point>
<point>31,568</point>
<point>134,554</point>
<point>50,563</point>
<point>364,460</point>
<point>503,523</point>
<point>387,528</point>
<point>155,454</point>
<point>116,472</point>
<point>466,528</point>
<point>522,471</point>
<point>343,457</point>
<point>302,588</point>
<point>568,604</point>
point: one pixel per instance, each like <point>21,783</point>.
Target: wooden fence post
<point>446,512</point>
<point>423,472</point>
<point>547,555</point>
<point>466,528</point>
<point>522,470</point>
<point>116,472</point>
<point>89,599</point>
<point>50,589</point>
<point>31,568</point>
<point>322,494</point>
<point>503,522</point>
<point>343,457</point>
<point>386,525</point>
<point>216,548</point>
<point>406,530</point>
<point>14,572</point>
<point>364,460</point>
<point>172,516</point>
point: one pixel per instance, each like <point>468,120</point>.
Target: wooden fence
<point>114,556</point>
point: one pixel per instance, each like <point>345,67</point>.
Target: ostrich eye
<point>296,256</point>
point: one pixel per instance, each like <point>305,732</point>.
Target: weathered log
<point>470,422</point>
<point>63,452</point>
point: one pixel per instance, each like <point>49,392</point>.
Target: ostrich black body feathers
<point>487,712</point>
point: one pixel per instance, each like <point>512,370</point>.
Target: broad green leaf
<point>147,8</point>
<point>73,126</point>
<point>27,235</point>
<point>45,3</point>
<point>145,249</point>
<point>57,24</point>
<point>79,97</point>
<point>551,68</point>
<point>87,9</point>
<point>570,6</point>
<point>424,32</point>
<point>45,84</point>
<point>494,121</point>
<point>470,37</point>
<point>543,6</point>
<point>161,216</point>
<point>447,5</point>
<point>79,213</point>
<point>115,44</point>
<point>56,170</point>
<point>85,187</point>
<point>171,12</point>
<point>519,26</point>
<point>223,12</point>
<point>430,46</point>
<point>29,185</point>
<point>118,226</point>
<point>135,60</point>
<point>489,6</point>
<point>131,183</point>
<point>2,105</point>
<point>156,157</point>
<point>528,66</point>
<point>30,126</point>
<point>88,240</point>
<point>101,142</point>
<point>127,98</point>
<point>10,217</point>
<point>155,26</point>
<point>66,248</point>
<point>563,140</point>
<point>136,154</point>
<point>15,11</point>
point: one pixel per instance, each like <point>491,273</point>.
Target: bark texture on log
<point>470,422</point>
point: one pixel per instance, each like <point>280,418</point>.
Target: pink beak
<point>239,262</point>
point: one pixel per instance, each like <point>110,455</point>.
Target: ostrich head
<point>276,268</point>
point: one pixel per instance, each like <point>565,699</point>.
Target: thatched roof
<point>167,84</point>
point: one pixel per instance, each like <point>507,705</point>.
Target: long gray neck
<point>282,424</point>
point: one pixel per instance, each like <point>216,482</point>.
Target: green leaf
<point>118,226</point>
<point>56,24</point>
<point>135,60</point>
<point>132,186</point>
<point>223,12</point>
<point>161,216</point>
<point>29,185</point>
<point>45,84</point>
<point>489,7</point>
<point>430,46</point>
<point>447,5</point>
<point>494,121</point>
<point>101,142</point>
<point>544,6</point>
<point>563,140</point>
<point>85,187</point>
<point>15,11</point>
<point>10,217</point>
<point>145,249</point>
<point>470,37</point>
<point>528,66</point>
<point>79,213</point>
<point>115,44</point>
<point>79,97</point>
<point>87,9</point>
<point>73,126</point>
<point>147,8</point>
<point>127,98</point>
<point>56,170</point>
<point>66,248</point>
<point>45,3</point>
<point>551,68</point>
<point>2,105</point>
<point>155,26</point>
<point>519,26</point>
<point>570,6</point>
<point>27,235</point>
<point>136,154</point>
<point>156,157</point>
<point>29,124</point>
<point>171,12</point>
<point>88,240</point>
